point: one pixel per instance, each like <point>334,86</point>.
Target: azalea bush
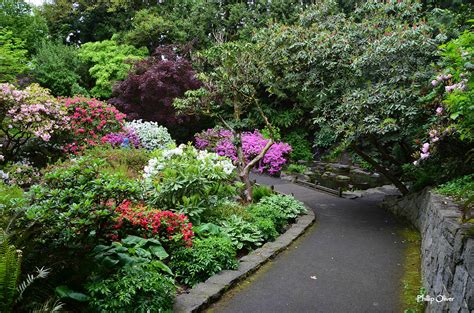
<point>187,180</point>
<point>90,120</point>
<point>173,230</point>
<point>28,113</point>
<point>221,141</point>
<point>150,134</point>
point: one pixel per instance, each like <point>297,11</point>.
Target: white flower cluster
<point>208,161</point>
<point>152,136</point>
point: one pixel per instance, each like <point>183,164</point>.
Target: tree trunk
<point>382,170</point>
<point>244,169</point>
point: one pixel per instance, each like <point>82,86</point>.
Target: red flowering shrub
<point>91,119</point>
<point>170,228</point>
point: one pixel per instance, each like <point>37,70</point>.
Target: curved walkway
<point>349,261</point>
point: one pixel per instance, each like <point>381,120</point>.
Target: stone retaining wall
<point>447,250</point>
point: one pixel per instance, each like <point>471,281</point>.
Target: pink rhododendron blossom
<point>439,110</point>
<point>425,148</point>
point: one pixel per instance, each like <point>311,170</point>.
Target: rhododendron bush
<point>28,113</point>
<point>187,180</point>
<point>91,120</point>
<point>221,141</point>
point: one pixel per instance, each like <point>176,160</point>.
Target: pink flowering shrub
<point>91,120</point>
<point>28,113</point>
<point>221,141</point>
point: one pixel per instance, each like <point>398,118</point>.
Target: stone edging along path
<point>203,294</point>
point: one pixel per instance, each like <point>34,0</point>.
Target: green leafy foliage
<point>259,211</point>
<point>224,210</point>
<point>10,264</point>
<point>124,162</point>
<point>205,258</point>
<point>109,62</point>
<point>187,180</point>
<point>12,199</point>
<point>266,227</point>
<point>243,234</point>
<point>130,251</point>
<point>138,288</point>
<point>261,191</point>
<point>24,21</point>
<point>287,205</point>
<point>76,200</point>
<point>297,168</point>
<point>461,189</point>
<point>58,67</point>
<point>301,147</point>
<point>13,60</point>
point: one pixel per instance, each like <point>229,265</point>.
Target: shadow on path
<point>350,261</point>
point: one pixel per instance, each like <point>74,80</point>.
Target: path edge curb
<point>204,294</point>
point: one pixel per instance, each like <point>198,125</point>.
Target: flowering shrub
<point>221,142</point>
<point>74,204</point>
<point>27,113</point>
<point>22,174</point>
<point>188,180</point>
<point>91,119</point>
<point>452,95</point>
<point>151,135</point>
<point>172,229</point>
<point>126,138</point>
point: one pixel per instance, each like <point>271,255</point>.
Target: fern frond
<point>10,267</point>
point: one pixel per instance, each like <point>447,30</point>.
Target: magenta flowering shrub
<point>221,141</point>
<point>126,138</point>
<point>91,120</point>
<point>28,113</point>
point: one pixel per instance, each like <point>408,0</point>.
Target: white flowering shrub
<point>152,136</point>
<point>188,180</point>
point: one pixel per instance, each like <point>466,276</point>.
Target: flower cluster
<point>222,142</point>
<point>31,111</point>
<point>208,162</point>
<point>169,227</point>
<point>91,119</point>
<point>152,136</point>
<point>126,138</point>
<point>22,174</point>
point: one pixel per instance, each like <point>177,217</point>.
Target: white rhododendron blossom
<point>209,163</point>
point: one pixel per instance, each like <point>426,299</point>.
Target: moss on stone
<point>411,280</point>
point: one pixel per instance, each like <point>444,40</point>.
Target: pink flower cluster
<point>442,79</point>
<point>222,142</point>
<point>32,110</point>
<point>91,120</point>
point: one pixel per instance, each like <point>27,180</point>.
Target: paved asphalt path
<point>349,261</point>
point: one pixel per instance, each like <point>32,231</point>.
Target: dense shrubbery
<point>114,214</point>
<point>206,257</point>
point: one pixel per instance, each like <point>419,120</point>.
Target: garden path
<point>350,261</point>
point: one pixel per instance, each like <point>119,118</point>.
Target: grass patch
<point>411,280</point>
